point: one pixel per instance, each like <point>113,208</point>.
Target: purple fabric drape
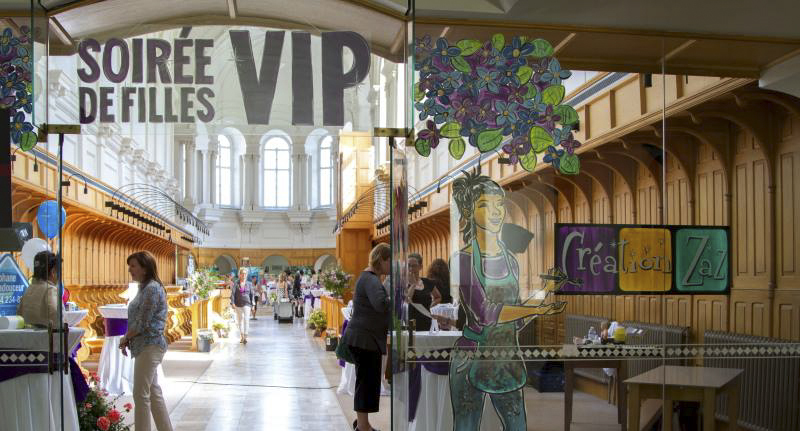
<point>115,327</point>
<point>441,368</point>
<point>311,297</point>
<point>344,326</point>
<point>79,387</point>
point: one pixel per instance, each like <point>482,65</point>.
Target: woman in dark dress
<point>439,274</point>
<point>421,294</point>
<point>366,334</point>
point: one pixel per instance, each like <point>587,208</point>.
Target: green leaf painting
<point>528,161</point>
<point>418,93</point>
<point>540,139</point>
<point>457,147</point>
<point>451,130</point>
<point>524,74</point>
<point>423,147</point>
<point>570,164</point>
<point>567,114</point>
<point>498,41</point>
<point>553,95</point>
<point>468,46</point>
<point>541,48</point>
<point>490,139</point>
<point>461,65</point>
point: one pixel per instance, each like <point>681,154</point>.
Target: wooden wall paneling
<point>786,314</point>
<point>709,313</point>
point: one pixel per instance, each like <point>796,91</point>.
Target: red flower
<point>87,406</point>
<point>103,423</point>
<point>114,416</point>
<point>128,407</point>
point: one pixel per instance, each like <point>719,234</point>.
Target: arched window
<point>277,167</point>
<point>224,179</point>
<point>325,172</point>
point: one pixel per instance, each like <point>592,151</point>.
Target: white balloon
<point>31,248</point>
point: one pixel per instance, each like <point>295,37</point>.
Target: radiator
<point>577,325</point>
<point>654,335</point>
<point>770,393</point>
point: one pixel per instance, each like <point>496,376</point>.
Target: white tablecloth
<point>347,382</point>
<point>435,410</point>
<point>32,402</point>
<point>115,370</point>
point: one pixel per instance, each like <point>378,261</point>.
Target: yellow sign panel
<point>645,260</point>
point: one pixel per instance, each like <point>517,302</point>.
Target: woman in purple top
<point>489,293</point>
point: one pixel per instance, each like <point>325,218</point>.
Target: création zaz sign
<point>641,259</point>
<point>156,72</point>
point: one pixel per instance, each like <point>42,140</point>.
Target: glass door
<point>39,386</point>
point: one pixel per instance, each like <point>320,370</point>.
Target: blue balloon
<point>47,219</point>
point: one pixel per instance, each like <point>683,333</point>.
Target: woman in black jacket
<point>366,334</point>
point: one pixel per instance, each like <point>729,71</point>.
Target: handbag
<point>344,353</point>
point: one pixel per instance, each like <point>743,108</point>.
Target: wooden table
<point>700,384</point>
<point>569,385</point>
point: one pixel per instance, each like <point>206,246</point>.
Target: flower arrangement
<point>335,281</point>
<point>97,413</point>
<point>494,94</point>
<point>203,281</point>
<point>319,320</point>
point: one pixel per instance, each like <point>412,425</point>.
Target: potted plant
<point>97,413</point>
<point>202,281</point>
<point>204,340</point>
<point>335,281</point>
<point>221,328</point>
<point>319,320</point>
<point>331,340</point>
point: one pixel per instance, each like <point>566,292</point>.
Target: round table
<point>32,402</point>
<point>115,370</point>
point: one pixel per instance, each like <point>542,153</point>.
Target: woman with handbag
<point>366,333</point>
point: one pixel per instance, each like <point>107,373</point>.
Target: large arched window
<point>277,167</point>
<point>326,172</point>
<point>224,170</point>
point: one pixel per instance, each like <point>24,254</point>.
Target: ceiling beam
<point>60,32</point>
<point>233,9</point>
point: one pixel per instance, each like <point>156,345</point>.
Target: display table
<point>434,410</point>
<point>72,318</point>
<point>312,301</point>
<point>115,370</point>
<point>679,383</point>
<point>32,402</point>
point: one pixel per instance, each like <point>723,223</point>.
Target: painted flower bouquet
<point>498,94</point>
<point>16,83</point>
<point>97,413</point>
<point>202,281</point>
<point>335,281</point>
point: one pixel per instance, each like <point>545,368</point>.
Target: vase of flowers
<point>203,281</point>
<point>335,281</point>
<point>97,412</point>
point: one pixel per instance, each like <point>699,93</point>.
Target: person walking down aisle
<point>240,299</point>
<point>147,317</point>
<point>366,334</point>
<point>297,294</point>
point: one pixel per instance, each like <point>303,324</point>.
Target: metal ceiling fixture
<point>147,204</point>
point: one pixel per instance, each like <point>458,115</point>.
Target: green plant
<point>335,281</point>
<point>202,281</point>
<point>96,413</point>
<point>217,326</point>
<point>318,319</point>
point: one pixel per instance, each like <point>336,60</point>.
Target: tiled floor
<point>275,382</point>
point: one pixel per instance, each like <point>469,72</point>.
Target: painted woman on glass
<point>489,293</point>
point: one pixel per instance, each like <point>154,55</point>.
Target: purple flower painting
<point>495,95</point>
